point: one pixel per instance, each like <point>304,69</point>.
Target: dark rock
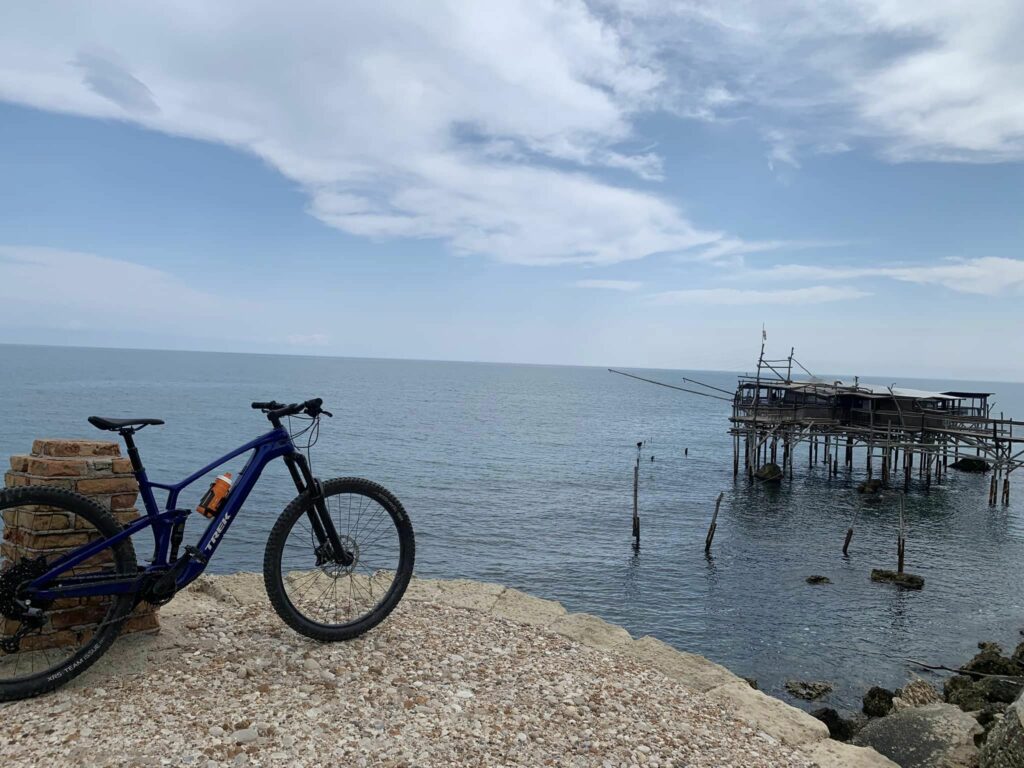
<point>990,715</point>
<point>936,736</point>
<point>870,486</point>
<point>769,473</point>
<point>752,683</point>
<point>1018,653</point>
<point>1004,747</point>
<point>964,693</point>
<point>877,702</point>
<point>999,689</point>
<point>825,580</point>
<point>839,728</point>
<point>809,690</point>
<point>969,464</point>
<point>990,661</point>
<point>905,580</point>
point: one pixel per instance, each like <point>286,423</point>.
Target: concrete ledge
<point>526,609</point>
<point>836,754</point>
<point>689,669</point>
<point>775,717</point>
<point>591,631</point>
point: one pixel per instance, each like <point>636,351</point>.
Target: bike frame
<point>165,524</point>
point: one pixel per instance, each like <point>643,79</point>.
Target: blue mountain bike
<point>337,561</point>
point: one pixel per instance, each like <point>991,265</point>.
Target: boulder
<point>877,702</point>
<point>870,486</point>
<point>964,693</point>
<point>935,736</point>
<point>1004,747</point>
<point>839,728</point>
<point>769,473</point>
<point>990,661</point>
<point>905,580</point>
<point>824,580</point>
<point>807,689</point>
<point>969,464</point>
<point>917,693</point>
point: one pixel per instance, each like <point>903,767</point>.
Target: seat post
<point>133,451</point>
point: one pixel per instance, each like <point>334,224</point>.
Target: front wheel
<point>323,599</point>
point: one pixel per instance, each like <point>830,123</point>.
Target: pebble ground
<point>227,684</point>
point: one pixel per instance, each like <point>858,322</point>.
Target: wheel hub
<point>334,568</point>
<point>12,580</point>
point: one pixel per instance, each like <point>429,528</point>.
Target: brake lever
<point>327,413</point>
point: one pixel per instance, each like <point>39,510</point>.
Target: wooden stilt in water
<point>636,497</point>
<point>714,524</point>
<point>901,544</point>
<point>735,456</point>
<point>1006,489</point>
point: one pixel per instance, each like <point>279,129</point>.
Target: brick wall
<point>95,469</point>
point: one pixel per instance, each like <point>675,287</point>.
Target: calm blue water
<point>523,475</point>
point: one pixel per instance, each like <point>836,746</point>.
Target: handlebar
<point>276,410</point>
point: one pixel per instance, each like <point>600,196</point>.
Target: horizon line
<point>442,360</point>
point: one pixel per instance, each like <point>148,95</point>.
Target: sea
<point>523,475</point>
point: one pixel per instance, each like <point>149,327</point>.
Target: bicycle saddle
<point>114,424</point>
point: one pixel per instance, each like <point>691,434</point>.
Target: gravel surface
<point>225,683</point>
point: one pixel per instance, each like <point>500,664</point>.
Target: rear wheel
<point>45,644</point>
<point>328,601</point>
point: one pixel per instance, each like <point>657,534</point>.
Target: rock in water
<point>809,690</point>
<point>839,728</point>
<point>877,702</point>
<point>870,486</point>
<point>916,693</point>
<point>769,473</point>
<point>825,580</point>
<point>990,661</point>
<point>968,464</point>
<point>905,580</point>
<point>936,736</point>
<point>1004,747</point>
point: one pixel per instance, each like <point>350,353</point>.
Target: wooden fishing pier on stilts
<point>895,431</point>
<point>892,429</point>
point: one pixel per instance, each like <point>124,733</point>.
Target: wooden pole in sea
<point>636,496</point>
<point>902,543</point>
<point>714,524</point>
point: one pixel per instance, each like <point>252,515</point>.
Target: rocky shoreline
<point>463,673</point>
<point>975,721</point>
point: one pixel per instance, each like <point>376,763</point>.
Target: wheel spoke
<point>319,593</point>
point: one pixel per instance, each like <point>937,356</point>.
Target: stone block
<point>53,467</point>
<point>105,485</point>
<point>64,448</point>
<point>591,631</point>
<point>526,609</point>
<point>775,717</point>
<point>691,670</point>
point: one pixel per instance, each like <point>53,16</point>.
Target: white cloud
<point>730,247</point>
<point>484,125</point>
<point>988,275</point>
<point>925,81</point>
<point>818,294</point>
<point>611,285</point>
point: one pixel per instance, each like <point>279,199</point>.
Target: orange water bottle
<point>219,490</point>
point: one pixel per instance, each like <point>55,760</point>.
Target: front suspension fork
<point>319,516</point>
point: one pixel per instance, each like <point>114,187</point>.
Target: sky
<point>631,183</point>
